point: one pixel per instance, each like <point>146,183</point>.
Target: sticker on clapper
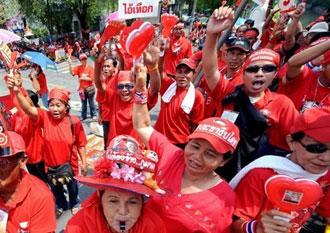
<point>230,115</point>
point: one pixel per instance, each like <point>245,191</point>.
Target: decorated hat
<point>315,123</point>
<point>222,134</point>
<point>60,93</point>
<point>125,166</point>
<point>11,143</point>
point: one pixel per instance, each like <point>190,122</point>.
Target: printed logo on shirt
<point>308,105</point>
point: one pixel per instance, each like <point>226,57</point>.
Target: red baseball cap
<point>188,62</point>
<point>11,143</point>
<point>315,123</point>
<point>82,56</point>
<point>222,134</point>
<point>125,166</point>
<point>60,93</point>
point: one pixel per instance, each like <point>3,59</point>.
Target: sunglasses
<point>315,148</point>
<point>128,86</point>
<point>265,69</point>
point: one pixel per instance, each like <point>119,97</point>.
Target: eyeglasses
<point>315,148</point>
<point>128,86</point>
<point>265,69</point>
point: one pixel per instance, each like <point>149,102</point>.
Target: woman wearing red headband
<point>62,133</point>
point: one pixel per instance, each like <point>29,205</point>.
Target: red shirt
<point>278,109</point>
<point>84,71</point>
<point>42,83</point>
<point>91,219</point>
<point>206,211</point>
<point>105,108</point>
<point>32,203</point>
<point>172,121</point>
<point>172,58</point>
<point>251,202</point>
<point>58,137</point>
<point>305,90</point>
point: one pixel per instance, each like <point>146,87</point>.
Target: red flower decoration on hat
<point>103,168</point>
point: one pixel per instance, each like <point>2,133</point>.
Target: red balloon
<point>168,21</point>
<point>292,194</point>
<point>139,38</point>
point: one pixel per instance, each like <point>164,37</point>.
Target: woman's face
<point>57,108</point>
<point>121,209</point>
<point>201,158</point>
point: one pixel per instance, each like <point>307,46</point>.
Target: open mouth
<point>193,164</point>
<point>122,225</point>
<point>257,84</point>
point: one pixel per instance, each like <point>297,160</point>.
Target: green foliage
<point>39,32</point>
<point>8,9</point>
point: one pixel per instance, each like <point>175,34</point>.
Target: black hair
<point>249,22</point>
<point>113,59</point>
<point>227,155</point>
<point>298,136</point>
<point>34,97</point>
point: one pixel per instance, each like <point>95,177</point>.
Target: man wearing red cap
<point>264,118</point>
<point>86,88</point>
<point>182,105</point>
<point>197,199</point>
<point>306,88</point>
<point>26,204</point>
<point>310,159</point>
<point>178,47</point>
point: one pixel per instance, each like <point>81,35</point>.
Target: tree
<point>8,10</point>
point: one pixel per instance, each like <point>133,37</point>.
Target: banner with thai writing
<point>129,9</point>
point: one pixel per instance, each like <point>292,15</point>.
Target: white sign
<point>286,4</point>
<point>129,9</point>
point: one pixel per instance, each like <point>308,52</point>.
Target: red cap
<point>82,56</point>
<point>11,143</point>
<point>59,93</point>
<point>315,123</point>
<point>188,62</point>
<point>263,55</point>
<point>222,134</point>
<point>126,166</point>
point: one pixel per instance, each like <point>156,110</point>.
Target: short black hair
<point>34,97</point>
<point>298,136</point>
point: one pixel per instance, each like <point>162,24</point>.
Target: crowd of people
<point>260,110</point>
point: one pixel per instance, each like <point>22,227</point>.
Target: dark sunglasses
<point>265,69</point>
<point>315,148</point>
<point>128,86</point>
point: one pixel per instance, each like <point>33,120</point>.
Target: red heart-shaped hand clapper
<point>112,29</point>
<point>139,38</point>
<point>292,194</point>
<point>168,21</point>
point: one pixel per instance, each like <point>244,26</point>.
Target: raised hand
<point>140,72</point>
<point>14,82</point>
<point>151,56</point>
<point>300,10</point>
<point>220,20</point>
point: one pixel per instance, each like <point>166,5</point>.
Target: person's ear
<point>289,141</point>
<point>22,163</point>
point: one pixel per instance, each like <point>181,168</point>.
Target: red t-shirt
<point>305,90</point>
<point>251,202</point>
<point>59,139</point>
<point>206,211</point>
<point>172,58</point>
<point>278,109</point>
<point>172,121</point>
<point>82,72</point>
<point>42,83</point>
<point>91,219</point>
<point>33,203</point>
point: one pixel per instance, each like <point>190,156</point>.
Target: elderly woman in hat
<point>63,135</point>
<point>196,199</point>
<point>123,179</point>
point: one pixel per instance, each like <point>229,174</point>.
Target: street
<point>62,78</point>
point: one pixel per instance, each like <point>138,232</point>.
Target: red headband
<point>251,33</point>
<point>263,55</point>
<point>61,94</point>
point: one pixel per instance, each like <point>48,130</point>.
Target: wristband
<point>250,226</point>
<point>152,68</point>
<point>140,97</point>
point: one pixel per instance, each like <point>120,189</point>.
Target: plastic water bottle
<point>23,227</point>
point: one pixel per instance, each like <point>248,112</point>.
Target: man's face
<point>108,68</point>
<point>125,90</point>
<point>235,58</point>
<point>178,31</point>
<point>83,62</point>
<point>10,171</point>
<point>183,76</point>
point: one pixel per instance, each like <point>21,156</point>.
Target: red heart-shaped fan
<point>168,21</point>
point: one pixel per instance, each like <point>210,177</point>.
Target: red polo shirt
<point>43,84</point>
<point>172,121</point>
<point>84,71</point>
<point>58,137</point>
<point>305,90</point>
<point>33,203</point>
<point>251,202</point>
<point>278,109</point>
<point>171,59</point>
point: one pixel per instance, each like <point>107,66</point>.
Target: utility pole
<point>192,14</point>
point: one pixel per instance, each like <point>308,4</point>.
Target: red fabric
<point>305,87</point>
<point>84,71</point>
<point>278,109</point>
<point>33,203</point>
<point>58,137</point>
<point>251,202</point>
<point>91,219</point>
<point>206,211</point>
<point>105,108</point>
<point>171,59</point>
<point>32,136</point>
<point>43,84</point>
<point>172,121</point>
<point>60,94</point>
